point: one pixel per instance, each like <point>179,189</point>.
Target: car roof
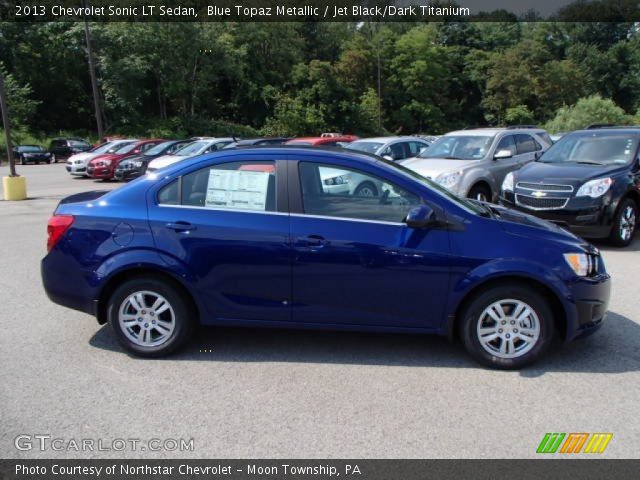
<point>490,132</point>
<point>390,139</point>
<point>630,130</point>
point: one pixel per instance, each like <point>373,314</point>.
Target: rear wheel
<point>150,317</point>
<point>507,326</point>
<point>624,225</point>
<point>480,193</point>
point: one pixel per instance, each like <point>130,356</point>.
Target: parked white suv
<point>473,163</point>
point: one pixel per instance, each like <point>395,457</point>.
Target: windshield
<point>592,148</point>
<point>459,147</point>
<point>369,147</point>
<point>191,149</point>
<point>30,149</point>
<point>158,149</point>
<point>126,149</point>
<point>431,185</point>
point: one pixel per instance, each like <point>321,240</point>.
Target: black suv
<point>61,148</point>
<point>588,182</point>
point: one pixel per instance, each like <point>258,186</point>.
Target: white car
<point>198,147</point>
<point>391,148</point>
<point>77,164</point>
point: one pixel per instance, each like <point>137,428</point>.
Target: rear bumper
<point>588,222</point>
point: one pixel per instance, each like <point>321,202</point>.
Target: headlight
<point>106,163</point>
<point>507,183</point>
<point>581,263</point>
<point>595,188</point>
<point>340,180</point>
<point>448,180</point>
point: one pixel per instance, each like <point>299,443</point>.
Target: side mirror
<point>502,154</point>
<point>420,217</point>
<point>388,157</point>
<point>537,154</point>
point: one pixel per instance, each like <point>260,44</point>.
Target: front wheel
<point>480,193</point>
<point>624,225</point>
<point>366,189</point>
<point>150,317</point>
<point>507,327</point>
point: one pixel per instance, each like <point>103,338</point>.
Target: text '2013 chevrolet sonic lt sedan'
<point>254,237</point>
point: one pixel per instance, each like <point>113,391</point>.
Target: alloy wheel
<point>508,328</point>
<point>147,318</point>
<point>627,223</point>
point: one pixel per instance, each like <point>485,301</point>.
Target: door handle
<point>180,226</point>
<point>314,241</point>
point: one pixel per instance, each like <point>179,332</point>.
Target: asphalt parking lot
<point>270,393</point>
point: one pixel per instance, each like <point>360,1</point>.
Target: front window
<point>331,191</point>
<point>459,147</point>
<point>593,148</point>
<point>247,186</point>
<point>126,148</point>
<point>363,146</point>
<point>30,149</point>
<point>191,149</point>
<point>158,149</point>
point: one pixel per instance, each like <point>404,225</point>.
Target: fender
<point>479,174</point>
<point>507,268</point>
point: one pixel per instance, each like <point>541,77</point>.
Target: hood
<point>105,156</point>
<point>83,156</point>
<point>569,173</point>
<point>165,161</point>
<point>519,223</point>
<point>432,167</point>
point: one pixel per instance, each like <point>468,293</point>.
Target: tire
<point>480,193</point>
<point>174,325</point>
<point>366,189</point>
<point>50,161</point>
<point>624,224</point>
<point>511,300</point>
<point>22,162</point>
<point>54,159</point>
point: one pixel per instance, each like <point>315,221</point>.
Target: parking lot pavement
<point>250,393</point>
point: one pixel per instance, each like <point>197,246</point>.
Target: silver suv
<point>473,163</point>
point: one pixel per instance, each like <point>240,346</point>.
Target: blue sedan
<point>262,237</point>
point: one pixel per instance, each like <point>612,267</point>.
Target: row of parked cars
<point>588,181</point>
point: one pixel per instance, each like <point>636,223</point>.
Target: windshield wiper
<point>588,162</point>
<point>451,158</point>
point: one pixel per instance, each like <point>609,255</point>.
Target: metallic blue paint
<point>270,269</point>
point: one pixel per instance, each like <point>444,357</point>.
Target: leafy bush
<point>587,111</point>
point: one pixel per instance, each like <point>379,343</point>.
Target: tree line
<point>180,79</point>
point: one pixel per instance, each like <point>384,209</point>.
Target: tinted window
<point>507,143</point>
<point>232,186</point>
<point>346,193</point>
<point>525,143</point>
<point>459,147</point>
<point>59,143</point>
<point>365,146</point>
<point>415,147</point>
<point>601,149</point>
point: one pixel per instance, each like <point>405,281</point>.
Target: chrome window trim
<point>346,219</point>
<point>233,210</point>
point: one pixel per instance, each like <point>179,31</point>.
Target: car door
<point>354,260</point>
<point>225,229</point>
<point>526,147</point>
<point>501,166</point>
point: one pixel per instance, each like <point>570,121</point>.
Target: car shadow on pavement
<point>613,349</point>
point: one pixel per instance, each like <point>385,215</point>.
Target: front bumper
<point>589,303</point>
<point>582,217</point>
<point>77,168</point>
<point>128,174</point>
<point>100,172</point>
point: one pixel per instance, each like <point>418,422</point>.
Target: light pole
<point>7,127</point>
<point>13,186</point>
<point>94,82</point>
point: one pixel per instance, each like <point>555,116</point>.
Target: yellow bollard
<point>15,188</point>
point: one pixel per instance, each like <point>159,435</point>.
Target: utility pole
<point>7,127</point>
<point>94,82</point>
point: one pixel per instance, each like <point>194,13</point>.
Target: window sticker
<point>245,190</point>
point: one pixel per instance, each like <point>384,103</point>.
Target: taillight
<point>57,226</point>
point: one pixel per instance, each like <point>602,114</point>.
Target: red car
<point>104,166</point>
<point>323,141</point>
